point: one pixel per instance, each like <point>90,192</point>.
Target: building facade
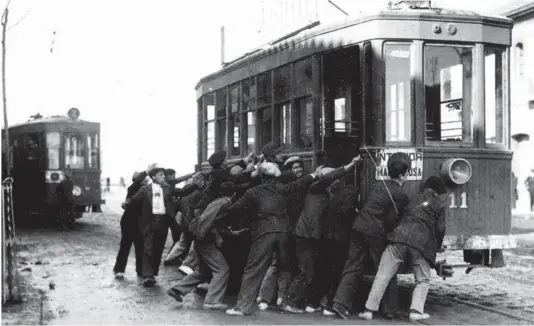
<point>522,96</point>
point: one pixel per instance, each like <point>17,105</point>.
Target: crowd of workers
<point>309,237</point>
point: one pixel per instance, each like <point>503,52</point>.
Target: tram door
<point>342,114</point>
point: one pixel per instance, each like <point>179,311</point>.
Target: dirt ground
<point>67,279</point>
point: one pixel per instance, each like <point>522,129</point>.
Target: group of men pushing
<point>309,238</point>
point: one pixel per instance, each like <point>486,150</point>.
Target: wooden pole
<point>4,100</point>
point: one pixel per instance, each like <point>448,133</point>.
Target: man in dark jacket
<point>415,241</point>
<point>270,229</point>
<point>368,238</point>
<point>130,232</point>
<point>338,219</point>
<point>66,201</point>
<point>181,248</point>
<point>156,210</point>
<point>308,233</point>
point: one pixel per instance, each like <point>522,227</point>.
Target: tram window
<point>265,116</point>
<point>92,146</point>
<point>251,132</point>
<point>53,142</point>
<point>264,88</point>
<point>398,93</point>
<point>210,139</point>
<point>285,125</point>
<point>448,79</point>
<point>220,138</point>
<point>340,115</point>
<point>248,91</point>
<point>282,83</point>
<point>74,151</point>
<point>305,125</point>
<point>236,128</point>
<point>494,79</point>
<point>209,124</point>
<point>235,120</point>
<point>303,77</point>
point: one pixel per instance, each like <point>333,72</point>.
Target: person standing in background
<point>529,183</point>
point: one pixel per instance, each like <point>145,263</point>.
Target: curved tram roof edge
<point>51,120</point>
<point>459,16</point>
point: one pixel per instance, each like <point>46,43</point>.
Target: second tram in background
<point>430,82</point>
<point>42,149</point>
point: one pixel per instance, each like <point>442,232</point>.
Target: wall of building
<point>522,92</point>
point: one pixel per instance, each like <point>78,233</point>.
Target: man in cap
<point>156,209</point>
<point>270,229</point>
<point>205,231</point>
<point>130,231</point>
<point>377,218</point>
<point>66,201</point>
<point>217,176</point>
<point>415,241</point>
<point>308,233</point>
<point>272,153</point>
<point>268,290</point>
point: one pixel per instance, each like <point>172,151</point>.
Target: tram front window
<point>74,151</point>
<point>448,85</point>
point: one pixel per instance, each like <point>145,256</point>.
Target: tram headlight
<point>456,170</point>
<point>76,191</point>
<point>54,176</point>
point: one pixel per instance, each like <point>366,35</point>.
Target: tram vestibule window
<point>448,85</point>
<point>53,143</point>
<point>74,151</point>
<point>92,146</point>
<point>494,99</point>
<point>398,93</point>
<point>305,135</point>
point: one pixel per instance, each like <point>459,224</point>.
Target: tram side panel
<point>478,215</point>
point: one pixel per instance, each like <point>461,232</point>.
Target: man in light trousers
<point>415,241</point>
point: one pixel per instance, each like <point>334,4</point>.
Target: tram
<point>433,83</point>
<point>42,149</point>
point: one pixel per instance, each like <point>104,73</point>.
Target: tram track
<point>471,304</point>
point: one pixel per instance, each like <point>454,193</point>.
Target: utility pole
<point>4,100</point>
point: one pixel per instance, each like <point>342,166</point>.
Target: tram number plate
<point>463,200</point>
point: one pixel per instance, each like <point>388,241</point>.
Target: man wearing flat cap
<point>272,153</point>
<point>156,209</point>
<point>270,229</point>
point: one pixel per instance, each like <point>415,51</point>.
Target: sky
<point>132,65</point>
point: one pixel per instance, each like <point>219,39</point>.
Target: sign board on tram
<point>415,155</point>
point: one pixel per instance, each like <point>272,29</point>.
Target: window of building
<point>448,85</point>
<point>494,79</point>
<point>305,123</point>
<point>53,142</point>
<point>235,120</point>
<point>519,60</point>
<point>285,125</point>
<point>209,124</point>
<point>220,131</point>
<point>398,93</point>
<point>74,151</point>
<point>264,89</point>
<point>248,90</point>
<point>92,146</point>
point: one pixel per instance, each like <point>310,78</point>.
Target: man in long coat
<point>157,209</point>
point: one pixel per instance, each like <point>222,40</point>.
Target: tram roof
<point>51,120</point>
<point>307,35</point>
